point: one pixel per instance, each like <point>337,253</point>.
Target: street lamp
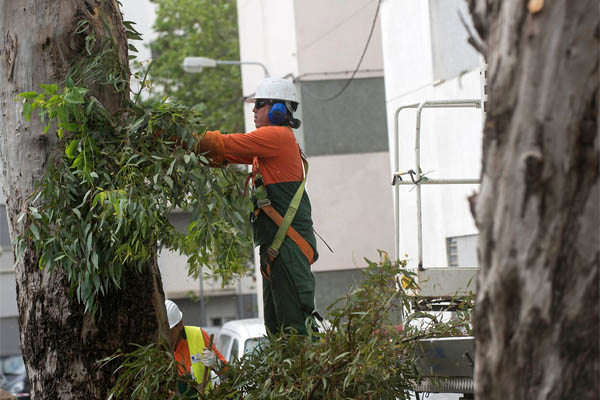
<point>195,64</point>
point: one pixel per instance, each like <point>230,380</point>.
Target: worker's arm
<point>213,348</point>
<point>211,144</point>
<point>241,148</point>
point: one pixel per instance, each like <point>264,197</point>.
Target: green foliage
<point>187,28</point>
<point>133,382</point>
<point>103,204</point>
<point>362,355</point>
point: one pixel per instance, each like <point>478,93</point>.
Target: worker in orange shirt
<point>192,352</point>
<point>278,175</point>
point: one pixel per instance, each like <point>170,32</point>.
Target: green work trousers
<point>289,293</point>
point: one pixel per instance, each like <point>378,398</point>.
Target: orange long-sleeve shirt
<point>275,146</point>
<point>280,165</point>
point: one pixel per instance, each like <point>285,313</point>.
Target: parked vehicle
<point>244,336</point>
<point>13,376</point>
<point>240,337</point>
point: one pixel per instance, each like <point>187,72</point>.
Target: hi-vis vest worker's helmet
<point>275,89</point>
<point>173,313</point>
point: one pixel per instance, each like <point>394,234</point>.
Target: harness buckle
<point>263,203</point>
<point>272,253</point>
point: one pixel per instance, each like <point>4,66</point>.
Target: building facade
<point>318,45</point>
<point>427,57</point>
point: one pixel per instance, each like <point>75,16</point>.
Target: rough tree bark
<point>60,343</point>
<point>537,318</point>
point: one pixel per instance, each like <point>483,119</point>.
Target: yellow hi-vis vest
<point>195,341</point>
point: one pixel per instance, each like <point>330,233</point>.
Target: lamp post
<point>196,64</point>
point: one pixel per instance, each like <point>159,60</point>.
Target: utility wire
<point>318,39</point>
<point>349,81</point>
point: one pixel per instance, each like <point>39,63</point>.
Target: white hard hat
<point>276,89</point>
<point>173,313</point>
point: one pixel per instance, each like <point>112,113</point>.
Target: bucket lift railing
<point>416,178</point>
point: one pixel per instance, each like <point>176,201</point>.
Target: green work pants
<point>289,293</point>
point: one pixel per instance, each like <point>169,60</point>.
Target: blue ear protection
<point>277,113</point>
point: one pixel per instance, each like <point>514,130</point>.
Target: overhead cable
<point>359,61</point>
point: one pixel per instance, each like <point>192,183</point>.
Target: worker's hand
<point>212,144</point>
<point>209,358</point>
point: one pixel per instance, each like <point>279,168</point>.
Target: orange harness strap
<point>265,205</point>
<point>251,175</point>
<point>293,234</point>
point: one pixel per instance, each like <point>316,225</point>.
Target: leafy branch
<point>369,351</point>
<point>103,203</point>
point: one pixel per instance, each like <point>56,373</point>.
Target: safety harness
<point>284,223</point>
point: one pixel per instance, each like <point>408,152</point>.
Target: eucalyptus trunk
<point>537,318</point>
<point>61,344</point>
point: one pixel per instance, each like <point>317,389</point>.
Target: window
<point>234,351</point>
<point>452,251</point>
<point>462,251</point>
<point>255,344</point>
<point>335,127</point>
<point>224,345</point>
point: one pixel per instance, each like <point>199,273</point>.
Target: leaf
<point>77,162</point>
<point>73,98</point>
<point>27,109</point>
<point>169,181</point>
<point>49,89</point>
<point>89,43</point>
<point>95,260</point>
<point>71,148</point>
<point>27,95</point>
<point>137,124</point>
<point>170,170</point>
<point>133,36</point>
<point>36,232</point>
<point>89,243</point>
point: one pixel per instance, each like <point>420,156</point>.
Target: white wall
<point>267,34</point>
<point>177,283</point>
<point>331,38</point>
<point>450,139</point>
<point>351,200</point>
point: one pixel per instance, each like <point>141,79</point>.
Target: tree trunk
<point>537,317</point>
<point>61,344</point>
